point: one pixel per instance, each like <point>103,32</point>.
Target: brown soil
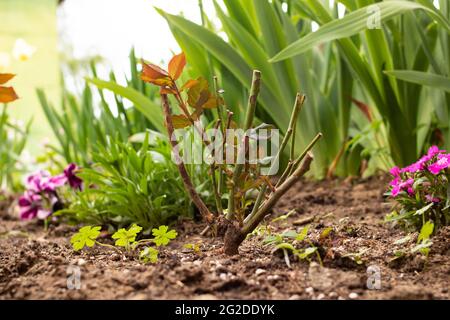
<point>34,263</point>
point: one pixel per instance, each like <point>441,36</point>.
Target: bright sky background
<point>110,28</point>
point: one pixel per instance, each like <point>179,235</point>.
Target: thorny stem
<point>217,195</point>
<point>202,208</point>
<point>299,100</point>
<point>223,127</point>
<point>261,213</point>
<point>297,161</point>
<point>251,106</point>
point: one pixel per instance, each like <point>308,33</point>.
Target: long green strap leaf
<point>354,23</point>
<point>422,78</point>
<point>142,103</point>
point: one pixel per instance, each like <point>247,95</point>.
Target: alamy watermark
<point>257,146</point>
<point>373,277</point>
<point>73,277</point>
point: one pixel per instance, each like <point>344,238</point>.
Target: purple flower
<point>442,163</point>
<point>69,173</point>
<point>38,182</point>
<point>42,182</point>
<point>30,205</point>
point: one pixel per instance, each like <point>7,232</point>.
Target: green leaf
<point>352,24</point>
<point>423,210</point>
<point>286,246</point>
<point>142,103</point>
<point>86,236</point>
<point>326,232</point>
<point>422,78</point>
<point>307,252</point>
<point>149,255</point>
<point>163,236</point>
<point>426,231</point>
<point>126,237</point>
<point>302,235</point>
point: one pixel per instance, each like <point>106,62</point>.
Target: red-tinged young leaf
<point>189,84</point>
<point>202,99</point>
<point>211,103</point>
<point>7,94</point>
<point>180,121</point>
<point>197,113</point>
<point>364,108</point>
<point>153,74</point>
<point>5,77</point>
<point>176,66</point>
<point>195,91</point>
<point>167,90</point>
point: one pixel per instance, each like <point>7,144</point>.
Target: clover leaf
<point>149,255</point>
<point>86,236</point>
<point>163,236</point>
<point>126,237</point>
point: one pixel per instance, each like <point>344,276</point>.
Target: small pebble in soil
<point>295,297</point>
<point>309,290</point>
<point>332,295</point>
<point>81,262</point>
<point>260,271</point>
<point>185,259</point>
<point>273,277</point>
<point>223,276</point>
<point>321,296</point>
<point>353,295</point>
<point>205,297</point>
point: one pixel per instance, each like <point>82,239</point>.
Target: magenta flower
<point>70,174</point>
<point>395,171</point>
<point>31,207</point>
<point>434,150</point>
<point>442,163</point>
<point>399,185</point>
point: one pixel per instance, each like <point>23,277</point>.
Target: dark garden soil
<point>34,263</point>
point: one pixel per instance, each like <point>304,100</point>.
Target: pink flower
<point>31,206</point>
<point>399,185</point>
<point>415,167</point>
<point>434,150</point>
<point>395,171</point>
<point>42,182</point>
<point>422,162</point>
<point>442,163</point>
<point>430,198</point>
<point>69,173</point>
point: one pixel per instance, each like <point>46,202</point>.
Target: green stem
<point>297,161</point>
<point>108,246</point>
<point>251,107</point>
<point>268,205</point>
<point>299,101</point>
